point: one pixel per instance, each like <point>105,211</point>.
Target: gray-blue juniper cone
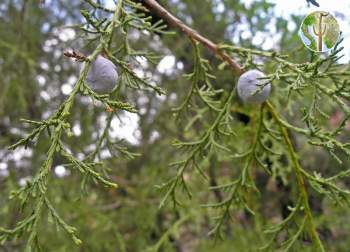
<point>102,75</point>
<point>249,87</point>
<point>313,2</point>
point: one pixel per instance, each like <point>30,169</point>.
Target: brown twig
<point>192,34</point>
<point>77,56</point>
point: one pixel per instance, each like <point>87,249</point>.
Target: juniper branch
<point>37,189</point>
<point>174,21</point>
<point>300,180</point>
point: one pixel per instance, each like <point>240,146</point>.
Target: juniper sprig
<point>291,79</point>
<point>265,144</point>
<point>34,195</point>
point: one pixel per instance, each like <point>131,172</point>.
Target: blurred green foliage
<point>33,72</point>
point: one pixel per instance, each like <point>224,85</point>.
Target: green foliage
<point>251,183</point>
<point>35,191</point>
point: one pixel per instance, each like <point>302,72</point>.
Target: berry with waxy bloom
<point>102,75</point>
<point>251,88</point>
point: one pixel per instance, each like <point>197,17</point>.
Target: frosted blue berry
<point>249,85</point>
<point>102,75</point>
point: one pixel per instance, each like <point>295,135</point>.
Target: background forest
<point>141,148</point>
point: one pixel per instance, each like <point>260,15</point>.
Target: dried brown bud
<point>75,55</point>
